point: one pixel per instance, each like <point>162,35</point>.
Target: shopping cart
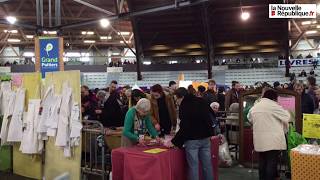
<point>96,159</point>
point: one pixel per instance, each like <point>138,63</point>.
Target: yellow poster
<point>311,126</point>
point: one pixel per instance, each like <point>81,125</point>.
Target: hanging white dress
<point>63,130</point>
<point>11,95</point>
<point>30,143</point>
<point>5,88</point>
<point>76,125</point>
<point>46,106</point>
<point>54,116</point>
<point>16,124</point>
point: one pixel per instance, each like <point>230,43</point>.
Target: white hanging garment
<point>63,130</point>
<point>16,124</point>
<point>46,105</point>
<point>76,126</point>
<point>30,142</point>
<point>5,89</point>
<point>54,116</point>
<point>11,95</point>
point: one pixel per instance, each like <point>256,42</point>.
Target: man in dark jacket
<point>210,95</point>
<point>311,90</point>
<point>233,95</point>
<point>307,103</point>
<point>221,99</point>
<point>113,115</point>
<point>194,133</point>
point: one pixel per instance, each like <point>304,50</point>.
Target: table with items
<point>155,162</point>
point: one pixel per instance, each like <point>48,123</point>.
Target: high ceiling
<point>167,31</point>
<point>178,32</point>
<point>71,12</point>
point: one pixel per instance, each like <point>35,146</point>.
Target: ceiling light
<point>11,31</point>
<point>124,33</point>
<point>230,52</point>
<point>311,32</point>
<point>87,33</point>
<point>122,42</point>
<point>266,50</point>
<point>105,37</point>
<point>89,41</point>
<point>11,19</point>
<point>115,53</point>
<point>246,48</point>
<point>14,40</point>
<point>28,54</point>
<point>267,43</point>
<point>192,46</point>
<point>72,54</point>
<point>159,47</point>
<point>160,54</point>
<point>318,26</point>
<point>305,22</point>
<point>195,53</point>
<point>104,23</point>
<point>29,36</point>
<point>146,62</point>
<point>179,51</point>
<point>245,15</point>
<point>229,44</point>
<point>50,32</point>
<point>314,22</point>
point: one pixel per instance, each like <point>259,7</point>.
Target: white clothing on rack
<point>16,124</point>
<point>45,111</point>
<point>54,116</point>
<point>30,143</point>
<point>11,95</point>
<point>63,130</point>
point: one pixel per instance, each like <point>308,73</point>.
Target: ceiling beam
<point>302,34</point>
<point>94,7</point>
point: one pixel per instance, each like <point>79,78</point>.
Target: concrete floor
<point>238,173</point>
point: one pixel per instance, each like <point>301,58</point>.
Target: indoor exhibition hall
<point>159,90</point>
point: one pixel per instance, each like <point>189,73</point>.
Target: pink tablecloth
<point>134,164</point>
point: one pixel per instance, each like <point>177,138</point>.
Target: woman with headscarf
<point>137,124</point>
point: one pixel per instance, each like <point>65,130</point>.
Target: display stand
<point>28,165</point>
<point>247,99</point>
<point>56,163</point>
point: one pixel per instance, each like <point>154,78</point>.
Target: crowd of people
<point>160,110</point>
<point>120,63</point>
<point>303,73</point>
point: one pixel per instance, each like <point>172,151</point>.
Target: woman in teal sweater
<point>137,123</point>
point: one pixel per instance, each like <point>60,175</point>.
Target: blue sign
<point>49,55</point>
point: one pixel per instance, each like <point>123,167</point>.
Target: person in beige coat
<point>163,111</point>
<point>270,121</point>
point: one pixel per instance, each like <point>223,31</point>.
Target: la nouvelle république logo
<point>292,10</point>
